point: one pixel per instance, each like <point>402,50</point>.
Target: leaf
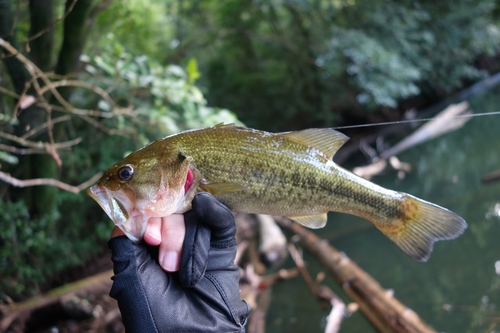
<point>8,158</point>
<point>104,105</point>
<point>192,70</point>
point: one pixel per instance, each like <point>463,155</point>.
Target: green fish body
<point>287,174</point>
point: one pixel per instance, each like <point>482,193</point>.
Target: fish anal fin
<point>326,140</point>
<point>311,221</point>
<point>222,188</point>
<point>423,224</point>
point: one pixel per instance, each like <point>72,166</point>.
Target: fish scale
<point>290,174</point>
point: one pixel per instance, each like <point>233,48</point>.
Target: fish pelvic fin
<point>326,140</point>
<point>422,224</point>
<point>311,221</point>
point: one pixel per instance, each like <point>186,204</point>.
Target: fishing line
<point>417,120</point>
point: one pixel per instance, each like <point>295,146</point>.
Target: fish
<point>287,174</point>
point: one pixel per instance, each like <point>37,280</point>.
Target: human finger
<point>173,231</point>
<point>152,236</point>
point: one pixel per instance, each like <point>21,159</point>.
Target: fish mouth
<point>114,205</point>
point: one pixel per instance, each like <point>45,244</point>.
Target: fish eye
<point>125,173</point>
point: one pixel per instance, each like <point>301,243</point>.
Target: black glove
<point>202,297</point>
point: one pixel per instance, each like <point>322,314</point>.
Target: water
<point>458,290</point>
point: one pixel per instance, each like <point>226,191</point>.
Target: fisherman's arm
<point>203,296</point>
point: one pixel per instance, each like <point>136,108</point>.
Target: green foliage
<point>382,76</point>
<point>146,23</point>
<point>280,64</point>
<point>438,41</point>
<point>305,62</point>
<point>8,158</point>
<point>146,100</point>
<point>36,248</point>
<point>166,95</point>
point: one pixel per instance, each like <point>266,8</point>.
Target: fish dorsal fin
<point>222,125</point>
<point>326,140</point>
<point>232,127</point>
<point>311,221</point>
<point>222,188</point>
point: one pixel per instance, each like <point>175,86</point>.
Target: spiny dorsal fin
<point>326,140</point>
<point>311,221</point>
<point>222,125</point>
<point>222,188</point>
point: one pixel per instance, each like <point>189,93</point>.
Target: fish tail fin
<point>422,224</point>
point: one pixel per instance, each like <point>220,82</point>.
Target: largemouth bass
<point>287,174</point>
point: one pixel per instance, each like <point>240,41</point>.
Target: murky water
<point>458,290</point>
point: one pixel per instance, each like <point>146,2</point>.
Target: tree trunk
<point>41,17</point>
<point>17,72</point>
<point>41,166</point>
<point>75,33</point>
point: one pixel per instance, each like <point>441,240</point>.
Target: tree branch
<point>43,145</point>
<point>21,151</point>
<point>12,311</point>
<point>35,72</point>
<point>44,125</point>
<point>48,181</point>
<point>76,83</point>
<point>9,92</point>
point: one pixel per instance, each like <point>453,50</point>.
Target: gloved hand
<point>203,296</point>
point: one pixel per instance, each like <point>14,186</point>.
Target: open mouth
<point>110,204</point>
<point>114,204</point>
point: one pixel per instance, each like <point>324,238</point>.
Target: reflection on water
<point>458,290</point>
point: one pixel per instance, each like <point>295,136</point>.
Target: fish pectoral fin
<point>311,221</point>
<point>222,188</point>
<point>326,140</point>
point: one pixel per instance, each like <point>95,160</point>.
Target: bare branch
<point>35,72</point>
<point>302,268</point>
<point>53,152</point>
<point>8,92</point>
<point>102,127</point>
<point>76,83</point>
<point>13,311</point>
<point>65,144</point>
<point>95,113</point>
<point>44,126</point>
<point>21,151</point>
<point>40,145</point>
<point>48,181</point>
<point>27,85</point>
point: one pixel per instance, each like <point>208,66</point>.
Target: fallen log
<point>491,177</point>
<point>384,311</point>
<point>13,311</point>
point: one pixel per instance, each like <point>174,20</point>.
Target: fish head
<point>145,184</point>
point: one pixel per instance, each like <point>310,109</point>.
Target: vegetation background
<point>111,76</point>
